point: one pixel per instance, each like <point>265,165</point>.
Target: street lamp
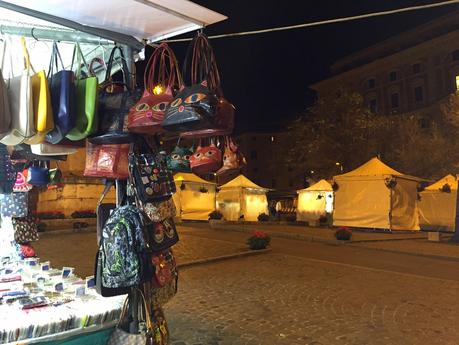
<point>338,164</point>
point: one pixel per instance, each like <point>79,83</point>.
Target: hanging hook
<point>33,35</point>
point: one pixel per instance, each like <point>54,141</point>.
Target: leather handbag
<point>206,159</point>
<point>7,172</point>
<point>149,176</point>
<point>160,296</point>
<point>200,110</point>
<point>62,86</point>
<point>233,159</point>
<point>5,112</point>
<point>161,77</point>
<point>114,107</point>
<point>162,235</point>
<point>14,205</point>
<point>179,159</point>
<point>86,100</point>
<point>21,105</point>
<point>38,174</point>
<point>165,268</point>
<point>107,161</point>
<point>25,230</point>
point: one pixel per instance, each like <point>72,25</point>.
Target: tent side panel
<point>229,203</point>
<point>196,204</point>
<point>254,204</point>
<point>311,205</point>
<point>405,205</point>
<point>362,203</point>
<point>437,210</point>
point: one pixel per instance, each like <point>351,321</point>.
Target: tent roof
<point>188,177</point>
<point>151,20</point>
<point>241,182</point>
<point>321,186</point>
<point>448,179</point>
<point>375,167</point>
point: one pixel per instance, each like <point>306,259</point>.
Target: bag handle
<point>79,60</point>
<point>55,58</point>
<point>93,62</point>
<point>124,67</point>
<point>27,65</point>
<point>162,68</point>
<point>145,306</point>
<point>108,185</point>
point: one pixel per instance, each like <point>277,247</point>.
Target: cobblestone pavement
<point>79,249</point>
<point>281,299</point>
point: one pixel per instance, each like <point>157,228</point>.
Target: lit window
<point>371,83</point>
<point>416,68</point>
<point>393,76</point>
<point>272,139</point>
<point>457,82</point>
<point>394,100</point>
<point>418,94</point>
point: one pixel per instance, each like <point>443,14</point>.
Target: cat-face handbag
<point>161,77</point>
<point>113,107</point>
<point>25,230</point>
<point>206,159</point>
<point>233,159</point>
<point>179,159</point>
<point>148,172</point>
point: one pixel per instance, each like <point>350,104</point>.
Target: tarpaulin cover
<point>314,201</point>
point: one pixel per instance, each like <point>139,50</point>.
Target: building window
<point>273,183</point>
<point>418,94</point>
<point>416,68</point>
<point>455,55</point>
<point>394,100</point>
<point>371,83</point>
<point>373,105</point>
<point>393,76</point>
<point>424,123</point>
<point>253,154</point>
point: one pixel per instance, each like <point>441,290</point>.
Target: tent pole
<point>455,237</point>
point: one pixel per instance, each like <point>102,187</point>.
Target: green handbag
<point>86,100</point>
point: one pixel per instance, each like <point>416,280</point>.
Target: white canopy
<point>150,20</point>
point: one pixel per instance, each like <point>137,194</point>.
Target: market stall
<point>195,197</point>
<point>315,201</point>
<point>241,199</point>
<point>376,196</point>
<point>437,205</point>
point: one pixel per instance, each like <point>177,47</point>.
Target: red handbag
<point>165,269</point>
<point>233,159</point>
<point>148,113</point>
<point>206,159</point>
<point>107,161</point>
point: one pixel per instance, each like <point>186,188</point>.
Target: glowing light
<point>338,163</point>
<point>158,90</point>
<point>457,82</point>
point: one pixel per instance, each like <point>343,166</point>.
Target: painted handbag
<point>148,173</point>
<point>162,235</point>
<point>161,77</point>
<point>158,211</point>
<point>233,159</point>
<point>21,184</point>
<point>179,159</point>
<point>206,159</point>
<point>25,230</point>
<point>14,205</point>
<point>165,269</point>
<point>107,161</point>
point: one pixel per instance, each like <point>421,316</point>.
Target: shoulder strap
<point>108,185</point>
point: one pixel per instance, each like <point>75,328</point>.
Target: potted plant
<point>259,240</point>
<point>343,234</point>
<point>263,217</point>
<point>215,215</point>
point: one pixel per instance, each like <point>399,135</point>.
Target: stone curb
<point>193,263</point>
<point>68,231</point>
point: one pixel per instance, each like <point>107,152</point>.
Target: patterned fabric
<point>162,235</point>
<point>121,244</point>
<point>25,230</point>
<point>14,205</point>
<point>158,211</point>
<point>121,337</point>
<point>7,173</point>
<point>165,269</point>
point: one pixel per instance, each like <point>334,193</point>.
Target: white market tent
<point>437,205</point>
<point>195,197</point>
<point>314,201</point>
<point>376,196</point>
<point>241,197</point>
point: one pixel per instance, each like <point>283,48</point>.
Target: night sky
<point>267,76</point>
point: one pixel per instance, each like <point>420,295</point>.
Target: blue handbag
<point>63,98</point>
<point>38,175</point>
<point>14,205</point>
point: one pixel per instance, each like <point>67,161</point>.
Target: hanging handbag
<point>158,211</point>
<point>233,159</point>
<point>160,296</point>
<point>179,159</point>
<point>5,112</point>
<point>200,110</point>
<point>25,230</point>
<point>161,235</point>
<point>86,100</point>
<point>149,176</point>
<point>114,107</point>
<point>206,159</point>
<point>165,268</point>
<point>21,185</point>
<point>107,161</point>
<point>14,205</point>
<point>7,172</point>
<point>24,152</point>
<point>47,149</point>
<point>38,174</point>
<point>161,77</point>
<point>62,87</point>
<point>21,105</point>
